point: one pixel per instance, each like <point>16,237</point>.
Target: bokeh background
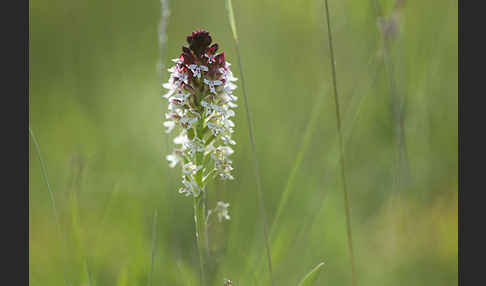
<point>96,108</point>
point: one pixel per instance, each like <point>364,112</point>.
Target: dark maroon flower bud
<point>199,41</point>
<point>187,56</point>
<point>186,50</point>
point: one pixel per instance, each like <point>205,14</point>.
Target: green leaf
<point>311,276</point>
<point>231,17</point>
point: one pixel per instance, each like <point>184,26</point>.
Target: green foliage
<point>96,110</point>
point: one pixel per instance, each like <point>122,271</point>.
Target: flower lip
<point>199,41</point>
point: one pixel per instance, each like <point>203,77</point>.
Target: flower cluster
<point>200,101</point>
<point>221,210</point>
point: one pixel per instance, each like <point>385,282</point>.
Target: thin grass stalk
<point>305,229</point>
<point>289,185</point>
<point>51,196</point>
<point>154,239</point>
<point>199,220</point>
<point>341,146</point>
<point>231,18</point>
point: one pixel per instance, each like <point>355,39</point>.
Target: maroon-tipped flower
<point>199,41</point>
<point>200,105</point>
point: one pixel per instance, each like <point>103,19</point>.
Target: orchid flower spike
<point>200,106</point>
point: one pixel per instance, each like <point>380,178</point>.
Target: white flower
<point>180,98</point>
<point>221,211</point>
<point>229,87</point>
<point>226,150</point>
<point>195,145</point>
<point>207,106</point>
<point>227,140</point>
<point>227,74</point>
<point>181,139</point>
<point>215,128</point>
<point>196,70</point>
<point>190,187</point>
<point>190,168</point>
<point>173,160</point>
<point>187,188</point>
<point>177,61</point>
<point>211,58</point>
<point>212,83</point>
<point>229,113</point>
<point>226,175</point>
<point>171,87</point>
<point>189,120</point>
<point>228,123</point>
<point>170,125</point>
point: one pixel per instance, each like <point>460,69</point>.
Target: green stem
<point>200,217</point>
<point>341,147</point>
<point>199,222</point>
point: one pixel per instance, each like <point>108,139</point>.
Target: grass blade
<point>341,145</point>
<point>231,18</point>
<point>311,276</point>
<point>51,194</point>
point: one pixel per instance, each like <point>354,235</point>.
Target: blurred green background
<point>96,109</point>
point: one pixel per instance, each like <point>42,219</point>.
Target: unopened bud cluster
<point>200,107</point>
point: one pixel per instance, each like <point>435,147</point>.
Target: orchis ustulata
<point>200,106</point>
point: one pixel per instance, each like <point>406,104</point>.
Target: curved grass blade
<point>231,17</point>
<point>311,276</point>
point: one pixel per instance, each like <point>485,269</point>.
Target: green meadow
<point>96,111</point>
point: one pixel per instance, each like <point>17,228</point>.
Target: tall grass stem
<point>231,18</point>
<point>341,145</point>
